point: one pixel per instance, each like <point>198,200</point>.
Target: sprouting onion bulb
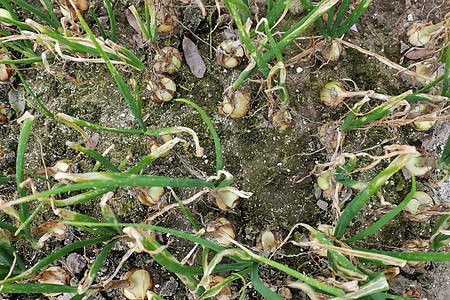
<point>167,61</point>
<point>49,229</point>
<point>69,12</point>
<point>426,68</point>
<point>165,15</point>
<point>419,34</point>
<point>161,88</point>
<point>421,163</point>
<point>331,51</point>
<point>328,135</point>
<point>220,231</point>
<point>62,165</point>
<point>225,199</point>
<point>330,95</point>
<point>417,245</point>
<point>150,196</point>
<point>153,144</point>
<point>5,14</point>
<point>324,183</point>
<point>270,240</point>
<point>139,281</point>
<point>53,275</point>
<point>236,104</point>
<point>281,119</point>
<point>230,54</point>
<point>327,230</point>
<point>225,292</point>
<point>417,208</point>
<point>166,24</point>
<point>6,70</point>
<point>421,109</point>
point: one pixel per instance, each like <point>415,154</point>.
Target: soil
<point>263,160</point>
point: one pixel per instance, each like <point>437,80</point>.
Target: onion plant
<point>441,234</point>
<point>335,25</point>
<point>391,104</point>
<point>57,40</point>
<point>274,44</point>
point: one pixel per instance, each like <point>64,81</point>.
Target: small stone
<point>65,296</point>
<point>169,288</point>
<point>322,204</point>
<point>75,263</point>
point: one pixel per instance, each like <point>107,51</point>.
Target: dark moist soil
<point>263,160</point>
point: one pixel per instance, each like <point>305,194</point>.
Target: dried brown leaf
<point>417,54</point>
<point>193,58</point>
